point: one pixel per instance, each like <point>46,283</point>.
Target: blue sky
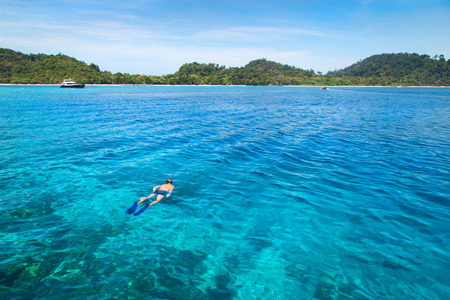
<point>156,37</point>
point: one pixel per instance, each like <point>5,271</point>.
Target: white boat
<point>70,83</point>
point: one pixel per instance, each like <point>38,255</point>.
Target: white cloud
<point>165,59</point>
<point>117,46</point>
<point>249,33</point>
<point>129,43</point>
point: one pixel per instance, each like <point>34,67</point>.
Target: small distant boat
<point>70,83</point>
<point>323,88</point>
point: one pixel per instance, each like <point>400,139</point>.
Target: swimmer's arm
<point>170,191</point>
<point>156,187</point>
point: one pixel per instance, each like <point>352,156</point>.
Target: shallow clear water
<point>281,193</point>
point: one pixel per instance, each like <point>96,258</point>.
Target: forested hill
<point>394,69</point>
<point>257,72</point>
<point>16,67</point>
<point>385,69</point>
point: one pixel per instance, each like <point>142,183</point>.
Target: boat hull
<point>73,86</point>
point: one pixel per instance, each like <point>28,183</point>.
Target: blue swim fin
<point>132,209</point>
<point>142,210</point>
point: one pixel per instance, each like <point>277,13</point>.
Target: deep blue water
<point>281,193</point>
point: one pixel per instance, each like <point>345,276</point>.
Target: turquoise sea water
<point>281,193</point>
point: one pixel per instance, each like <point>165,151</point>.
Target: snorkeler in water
<point>159,191</point>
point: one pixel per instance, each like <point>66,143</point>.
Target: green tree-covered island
<point>377,70</point>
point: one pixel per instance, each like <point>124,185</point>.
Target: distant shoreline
<point>385,70</point>
<point>212,85</point>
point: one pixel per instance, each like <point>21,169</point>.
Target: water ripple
<point>281,193</point>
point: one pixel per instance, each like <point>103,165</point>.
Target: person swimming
<point>160,191</point>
